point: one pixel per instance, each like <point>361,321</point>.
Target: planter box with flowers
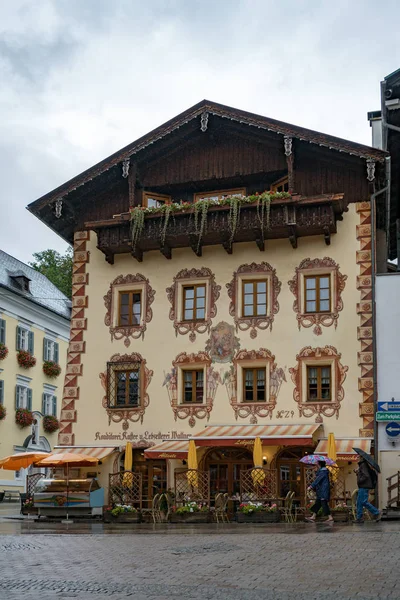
<point>121,513</point>
<point>51,369</point>
<point>28,508</point>
<point>191,512</point>
<point>3,412</point>
<point>23,417</point>
<point>25,359</point>
<point>3,351</point>
<point>256,512</point>
<point>341,512</point>
<point>50,424</point>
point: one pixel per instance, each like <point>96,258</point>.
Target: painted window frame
<point>317,290</point>
<point>319,378</point>
<point>196,370</point>
<point>254,282</point>
<point>255,371</point>
<point>184,299</point>
<point>130,294</point>
<point>112,388</point>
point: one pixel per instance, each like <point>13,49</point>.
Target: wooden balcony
<point>290,218</point>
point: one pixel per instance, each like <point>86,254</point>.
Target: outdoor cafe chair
<point>154,511</point>
<point>287,508</point>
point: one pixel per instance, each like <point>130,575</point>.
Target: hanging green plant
<point>263,211</point>
<point>201,210</point>
<point>167,210</point>
<point>234,214</point>
<point>137,223</point>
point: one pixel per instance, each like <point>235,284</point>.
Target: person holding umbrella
<point>366,480</point>
<point>322,487</point>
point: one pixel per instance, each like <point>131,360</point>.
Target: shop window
<point>130,307</point>
<point>319,383</point>
<point>50,350</point>
<point>194,302</point>
<point>317,293</point>
<point>220,194</point>
<point>193,386</point>
<point>282,185</point>
<point>152,200</point>
<point>254,385</point>
<point>254,298</point>
<point>124,385</point>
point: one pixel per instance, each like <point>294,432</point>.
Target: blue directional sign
<point>393,429</point>
<point>385,406</point>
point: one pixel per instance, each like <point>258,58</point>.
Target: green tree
<point>56,267</point>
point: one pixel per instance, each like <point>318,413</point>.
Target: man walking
<point>366,480</point>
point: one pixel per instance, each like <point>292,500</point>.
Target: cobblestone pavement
<point>225,562</point>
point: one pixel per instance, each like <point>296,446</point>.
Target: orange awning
<point>270,435</point>
<point>172,449</point>
<point>344,447</point>
<point>99,452</point>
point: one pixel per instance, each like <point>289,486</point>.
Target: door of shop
<point>224,466</point>
<point>291,474</point>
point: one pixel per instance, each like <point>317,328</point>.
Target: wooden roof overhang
<point>204,116</point>
<point>290,218</point>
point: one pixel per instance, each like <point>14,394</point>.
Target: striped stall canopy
<point>344,447</point>
<point>242,435</point>
<point>99,452</point>
<point>172,449</point>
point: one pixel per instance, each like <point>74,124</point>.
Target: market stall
<point>59,497</point>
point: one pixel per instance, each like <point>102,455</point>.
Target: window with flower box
<point>193,386</point>
<point>2,331</point>
<point>50,350</point>
<point>281,185</point>
<point>1,391</point>
<point>24,339</point>
<point>219,194</point>
<point>153,200</point>
<point>23,397</point>
<point>49,404</point>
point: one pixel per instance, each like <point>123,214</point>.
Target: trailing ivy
<point>200,211</point>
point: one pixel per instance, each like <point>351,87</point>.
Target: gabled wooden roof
<point>195,112</point>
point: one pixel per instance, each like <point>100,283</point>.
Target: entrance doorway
<point>225,466</point>
<point>290,471</point>
<point>154,475</point>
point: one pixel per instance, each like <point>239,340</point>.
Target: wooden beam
<point>166,251</point>
<point>132,183</point>
<point>327,236</point>
<point>138,254</point>
<point>227,245</point>
<point>195,245</point>
<point>293,235</point>
<point>260,244</point>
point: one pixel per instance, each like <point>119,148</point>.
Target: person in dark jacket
<point>322,487</point>
<point>366,480</point>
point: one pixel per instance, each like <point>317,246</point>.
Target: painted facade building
<point>221,291</point>
<point>34,330</point>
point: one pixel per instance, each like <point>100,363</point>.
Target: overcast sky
<point>80,79</point>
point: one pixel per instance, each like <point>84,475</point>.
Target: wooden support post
<point>288,146</point>
<point>195,246</point>
<point>138,254</point>
<point>109,256</point>
<point>227,245</point>
<point>327,236</point>
<point>132,183</point>
<point>260,244</point>
<point>166,251</point>
<point>293,236</point>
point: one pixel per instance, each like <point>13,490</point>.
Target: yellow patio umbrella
<point>128,478</point>
<point>334,471</point>
<point>192,464</point>
<point>21,460</point>
<point>258,476</point>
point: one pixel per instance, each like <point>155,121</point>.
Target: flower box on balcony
<point>259,517</point>
<point>191,517</point>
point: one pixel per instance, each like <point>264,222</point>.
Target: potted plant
<point>340,512</point>
<point>3,351</point>
<point>23,417</point>
<point>121,513</point>
<point>51,369</point>
<point>3,412</point>
<point>257,512</point>
<point>25,359</point>
<point>28,507</point>
<point>50,424</point>
<point>191,512</point>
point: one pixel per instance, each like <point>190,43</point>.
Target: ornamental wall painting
<point>187,277</point>
<point>318,266</point>
<point>223,343</point>
<point>173,381</point>
<point>254,271</point>
<point>233,383</point>
<point>126,414</point>
<point>135,282</point>
<point>327,356</point>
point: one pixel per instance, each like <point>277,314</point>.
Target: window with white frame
<point>23,397</point>
<point>1,391</point>
<point>49,404</point>
<point>24,340</point>
<point>50,350</point>
<point>2,331</point>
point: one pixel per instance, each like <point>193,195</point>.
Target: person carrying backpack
<point>366,480</point>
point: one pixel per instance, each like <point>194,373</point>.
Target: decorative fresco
<point>128,414</point>
<point>77,346</point>
<point>223,343</point>
<point>134,331</point>
<point>171,382</point>
<point>317,320</point>
<point>259,322</point>
<point>364,309</point>
<point>188,276</point>
<point>312,356</point>
<point>276,377</point>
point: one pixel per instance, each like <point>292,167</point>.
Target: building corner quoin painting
<point>74,368</point>
<point>365,329</point>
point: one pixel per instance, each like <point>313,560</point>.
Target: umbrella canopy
<point>368,458</point>
<point>128,477</point>
<point>257,453</point>
<point>332,447</point>
<point>192,464</point>
<point>313,459</point>
<point>68,458</point>
<point>22,460</point>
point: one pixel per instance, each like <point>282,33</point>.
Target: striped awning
<point>99,452</point>
<point>242,435</point>
<point>344,447</point>
<point>172,449</point>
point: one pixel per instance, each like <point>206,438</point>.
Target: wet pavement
<point>46,561</point>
